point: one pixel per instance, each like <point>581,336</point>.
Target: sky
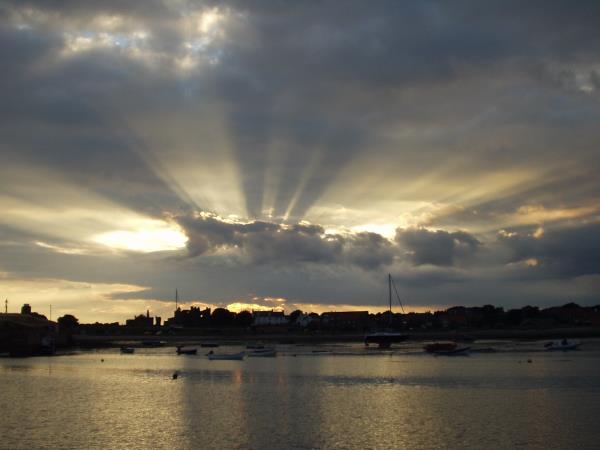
<point>275,154</point>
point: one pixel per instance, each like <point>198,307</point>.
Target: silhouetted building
<point>423,321</point>
<point>26,309</point>
<point>305,320</point>
<point>141,321</point>
<point>573,314</point>
<point>106,329</point>
<point>345,320</point>
<point>193,317</point>
<point>262,318</point>
<point>27,334</point>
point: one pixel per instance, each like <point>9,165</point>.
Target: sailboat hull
<point>385,339</point>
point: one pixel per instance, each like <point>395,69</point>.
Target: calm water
<point>351,398</point>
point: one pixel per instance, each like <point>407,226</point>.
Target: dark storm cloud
<point>324,55</point>
<point>439,248</point>
<point>271,243</point>
<point>564,252</point>
<point>294,88</point>
<point>76,132</point>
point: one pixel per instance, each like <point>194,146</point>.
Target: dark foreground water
<point>350,398</point>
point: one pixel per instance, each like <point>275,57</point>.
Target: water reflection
<point>385,401</point>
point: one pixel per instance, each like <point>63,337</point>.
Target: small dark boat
<point>384,339</point>
<point>209,344</point>
<point>263,353</point>
<point>440,347</point>
<point>453,352</point>
<point>226,356</point>
<point>127,350</point>
<point>186,351</point>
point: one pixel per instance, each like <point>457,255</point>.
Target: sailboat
<point>384,339</point>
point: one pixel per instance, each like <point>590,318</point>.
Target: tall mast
<point>176,299</point>
<point>390,295</point>
<point>6,306</point>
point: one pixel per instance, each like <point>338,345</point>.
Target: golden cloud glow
<point>374,309</point>
<point>240,306</point>
<point>530,214</point>
<point>60,249</point>
<point>155,236</point>
<point>87,301</point>
<point>387,230</point>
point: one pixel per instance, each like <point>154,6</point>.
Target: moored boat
<point>384,339</point>
<point>263,352</point>
<point>186,351</point>
<point>255,346</point>
<point>127,350</point>
<point>226,356</point>
<point>440,347</point>
<point>563,345</point>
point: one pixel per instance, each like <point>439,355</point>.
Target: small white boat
<point>263,352</point>
<point>226,356</point>
<point>563,345</point>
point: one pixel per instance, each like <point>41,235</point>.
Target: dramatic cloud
<point>302,146</point>
<point>438,248</point>
<point>565,252</point>
<point>271,243</point>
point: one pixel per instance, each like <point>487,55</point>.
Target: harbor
<point>336,395</point>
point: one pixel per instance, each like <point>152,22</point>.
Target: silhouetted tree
<point>244,319</point>
<point>68,323</point>
<point>294,315</point>
<point>67,326</point>
<point>222,316</point>
<point>529,312</point>
<point>491,315</point>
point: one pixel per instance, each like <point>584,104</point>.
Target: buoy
<point>175,375</point>
<point>102,360</point>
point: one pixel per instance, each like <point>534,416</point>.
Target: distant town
<point>32,333</point>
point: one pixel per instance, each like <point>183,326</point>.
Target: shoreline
<point>88,341</point>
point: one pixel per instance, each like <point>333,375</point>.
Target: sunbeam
<point>249,149</point>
